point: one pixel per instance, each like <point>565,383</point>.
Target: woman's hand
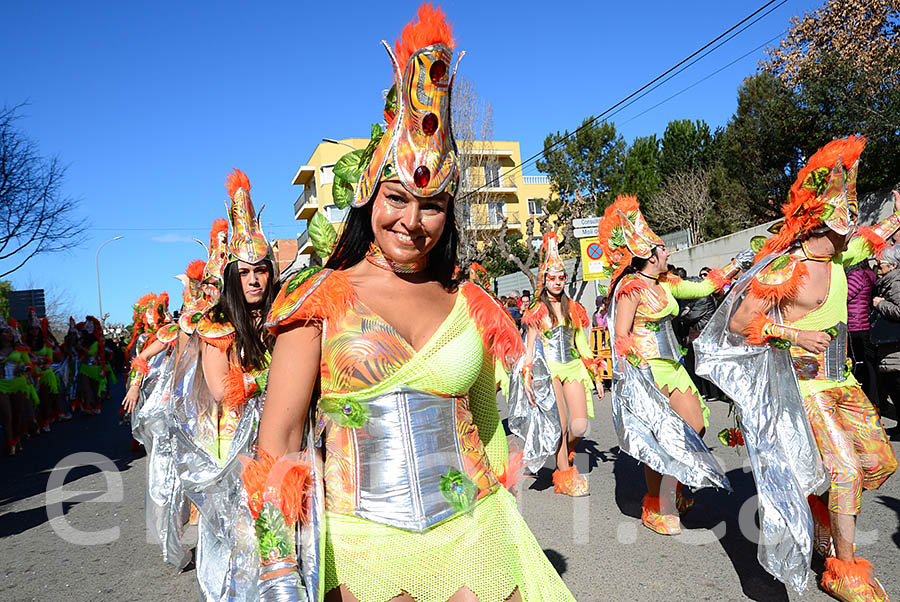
<point>131,398</point>
<point>876,301</point>
<point>601,393</point>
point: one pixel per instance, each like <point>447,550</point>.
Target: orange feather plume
<point>195,269</point>
<point>803,211</point>
<point>163,299</point>
<point>235,180</point>
<point>146,299</point>
<point>220,224</point>
<point>430,28</point>
<point>619,258</point>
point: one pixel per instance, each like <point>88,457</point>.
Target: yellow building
<point>491,186</point>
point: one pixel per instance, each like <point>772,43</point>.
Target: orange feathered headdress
<point>623,233</point>
<point>822,196</point>
<point>218,251</point>
<point>551,262</point>
<point>417,148</point>
<point>248,243</point>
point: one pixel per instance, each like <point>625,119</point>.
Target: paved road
<point>597,543</point>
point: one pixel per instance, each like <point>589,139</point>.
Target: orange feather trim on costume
<point>330,300</point>
<point>283,482</point>
<point>221,343</point>
<point>220,224</point>
<point>718,279</point>
<point>513,471</point>
<point>235,394</point>
<point>754,330</point>
<point>497,328</point>
<point>631,286</point>
<point>195,269</point>
<point>563,479</point>
<point>534,316</point>
<point>651,503</point>
<point>776,293</point>
<point>625,344</point>
<point>877,242</point>
<point>431,27</point>
<point>236,179</point>
<point>858,568</point>
<point>670,278</point>
<point>140,365</point>
<point>578,315</point>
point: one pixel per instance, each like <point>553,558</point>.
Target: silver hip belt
<point>407,449</point>
<point>669,348</point>
<point>558,347</point>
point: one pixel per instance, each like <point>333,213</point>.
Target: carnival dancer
<point>24,383</point>
<point>393,388</point>
<point>16,392</point>
<point>658,412</point>
<point>218,391</point>
<point>797,301</point>
<point>45,352</point>
<point>557,350</point>
<point>92,367</point>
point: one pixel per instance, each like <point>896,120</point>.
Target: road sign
<point>592,263</point>
<point>586,222</point>
<point>585,232</point>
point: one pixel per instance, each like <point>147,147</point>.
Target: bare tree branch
<point>682,203</point>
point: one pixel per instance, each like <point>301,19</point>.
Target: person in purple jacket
<point>860,289</point>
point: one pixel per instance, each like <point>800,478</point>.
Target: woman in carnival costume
<point>16,390</point>
<point>657,410</point>
<point>556,376</point>
<point>415,469</point>
<point>793,315</point>
<point>25,393</point>
<point>92,377</point>
<point>45,352</point>
<point>218,391</point>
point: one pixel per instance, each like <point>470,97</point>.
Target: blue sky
<point>150,104</point>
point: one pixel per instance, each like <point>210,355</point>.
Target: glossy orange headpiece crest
<point>248,243</point>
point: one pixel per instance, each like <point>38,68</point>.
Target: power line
<point>656,82</point>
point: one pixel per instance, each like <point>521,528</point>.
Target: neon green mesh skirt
<point>671,374</point>
<point>489,550</point>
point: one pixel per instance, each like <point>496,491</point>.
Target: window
<point>496,211</point>
<point>327,174</point>
<point>336,214</point>
<point>535,207</point>
<point>492,175</point>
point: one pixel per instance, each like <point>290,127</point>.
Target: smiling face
<point>254,281</point>
<point>555,282</point>
<point>407,227</point>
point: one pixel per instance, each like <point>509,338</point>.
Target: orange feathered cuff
<point>512,472</point>
<point>593,365</point>
<point>762,330</point>
<point>140,366</point>
<point>720,278</point>
<point>498,330</point>
<point>239,386</point>
<point>878,234</point>
<point>626,347</point>
<point>281,482</point>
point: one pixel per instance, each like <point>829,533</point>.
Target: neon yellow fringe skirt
<point>575,371</point>
<point>671,374</point>
<point>488,550</point>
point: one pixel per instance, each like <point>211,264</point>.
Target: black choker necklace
<point>653,278</point>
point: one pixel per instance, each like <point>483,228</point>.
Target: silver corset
<point>407,445</point>
<point>669,349</point>
<point>558,347</point>
<point>836,354</point>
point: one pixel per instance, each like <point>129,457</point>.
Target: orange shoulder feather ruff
<point>535,316</point>
<point>236,179</point>
<point>497,328</point>
<point>631,286</point>
<point>430,28</point>
<point>781,290</point>
<point>324,296</point>
<point>578,314</point>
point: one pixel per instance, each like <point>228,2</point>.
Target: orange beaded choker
<point>377,258</point>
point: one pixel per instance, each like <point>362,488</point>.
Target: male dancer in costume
<point>798,301</point>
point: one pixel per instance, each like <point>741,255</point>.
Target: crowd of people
<point>336,434</point>
<point>46,381</point>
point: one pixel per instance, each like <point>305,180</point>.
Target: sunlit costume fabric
<point>644,363</point>
<point>211,435</point>
<point>771,379</point>
<point>560,352</point>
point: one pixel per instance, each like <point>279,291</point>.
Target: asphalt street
<point>96,548</point>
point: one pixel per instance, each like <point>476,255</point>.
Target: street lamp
<point>97,265</point>
<point>333,141</point>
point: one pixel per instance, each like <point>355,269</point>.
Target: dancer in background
<point>556,331</point>
<point>659,415</point>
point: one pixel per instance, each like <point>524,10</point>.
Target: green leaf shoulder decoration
<point>300,277</point>
<point>322,235</point>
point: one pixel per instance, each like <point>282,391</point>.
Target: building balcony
<point>545,180</point>
<point>306,205</point>
<point>304,245</point>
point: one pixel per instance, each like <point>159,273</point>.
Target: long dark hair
<point>637,264</point>
<point>545,298</point>
<point>357,235</point>
<point>251,339</point>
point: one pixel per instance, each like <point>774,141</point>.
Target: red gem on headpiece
<point>429,124</point>
<point>422,176</point>
<point>438,71</point>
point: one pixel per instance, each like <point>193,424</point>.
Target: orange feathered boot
<point>655,520</point>
<point>852,581</point>
<point>569,481</point>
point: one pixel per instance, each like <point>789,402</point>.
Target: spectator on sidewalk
<point>860,289</point>
<point>886,330</point>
